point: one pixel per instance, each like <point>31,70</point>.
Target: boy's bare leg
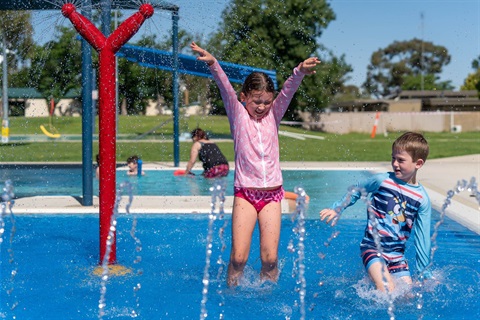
<point>379,274</point>
<point>270,220</point>
<point>244,218</point>
<point>407,279</point>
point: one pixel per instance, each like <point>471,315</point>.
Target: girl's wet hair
<point>258,81</point>
<point>414,143</point>
<point>199,133</point>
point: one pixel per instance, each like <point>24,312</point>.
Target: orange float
<point>181,172</point>
<point>293,196</point>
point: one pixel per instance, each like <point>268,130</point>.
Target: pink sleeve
<point>229,96</point>
<point>281,103</point>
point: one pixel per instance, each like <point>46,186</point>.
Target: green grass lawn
<point>158,145</point>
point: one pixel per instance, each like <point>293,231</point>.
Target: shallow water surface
<point>54,258</point>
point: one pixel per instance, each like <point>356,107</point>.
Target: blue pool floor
<point>54,258</point>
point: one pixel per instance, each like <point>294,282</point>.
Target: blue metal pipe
<point>176,134</point>
<point>87,115</point>
<point>106,7</point>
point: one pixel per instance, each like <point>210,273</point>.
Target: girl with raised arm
<point>254,121</point>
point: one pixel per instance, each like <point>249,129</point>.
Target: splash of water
<point>376,239</point>
<point>298,271</point>
<point>335,233</point>
<point>220,262</point>
<point>124,188</point>
<point>461,186</point>
<point>354,190</point>
<point>6,205</point>
<point>138,257</point>
<point>218,193</point>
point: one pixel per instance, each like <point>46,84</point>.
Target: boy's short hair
<point>132,159</point>
<point>414,143</point>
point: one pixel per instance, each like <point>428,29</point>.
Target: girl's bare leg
<point>244,218</point>
<point>269,221</point>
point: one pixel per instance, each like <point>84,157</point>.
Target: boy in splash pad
<point>398,203</point>
<point>132,163</point>
<point>258,191</point>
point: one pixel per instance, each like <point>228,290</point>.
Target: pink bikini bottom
<point>259,198</point>
<point>216,172</point>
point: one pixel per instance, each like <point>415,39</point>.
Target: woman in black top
<point>214,162</point>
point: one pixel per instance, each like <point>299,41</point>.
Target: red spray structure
<point>107,47</point>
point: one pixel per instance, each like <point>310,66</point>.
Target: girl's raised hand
<point>203,54</point>
<point>307,66</point>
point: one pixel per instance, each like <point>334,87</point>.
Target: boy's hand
<point>203,54</point>
<point>306,67</point>
<point>330,215</point>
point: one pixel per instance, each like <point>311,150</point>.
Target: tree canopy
<point>138,84</point>
<point>279,35</point>
<point>401,62</point>
<point>16,32</point>
<point>472,82</point>
<point>56,68</point>
<point>15,26</point>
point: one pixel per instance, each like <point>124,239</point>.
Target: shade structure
<point>187,64</point>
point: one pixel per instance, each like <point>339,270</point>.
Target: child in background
<point>132,163</point>
<point>258,191</point>
<point>215,165</point>
<point>97,170</point>
<point>398,204</point>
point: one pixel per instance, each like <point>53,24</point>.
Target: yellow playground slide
<point>53,133</point>
<point>49,134</point>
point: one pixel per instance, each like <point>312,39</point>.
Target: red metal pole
<point>107,47</point>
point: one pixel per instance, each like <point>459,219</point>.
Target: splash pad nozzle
<point>107,47</point>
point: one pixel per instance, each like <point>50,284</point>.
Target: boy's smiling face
<point>132,166</point>
<point>404,167</point>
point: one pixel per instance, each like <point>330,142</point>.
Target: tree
<point>391,66</point>
<point>427,82</point>
<point>278,35</point>
<point>56,70</point>
<point>348,93</point>
<point>138,85</point>
<point>56,67</point>
<point>472,82</point>
<point>17,29</point>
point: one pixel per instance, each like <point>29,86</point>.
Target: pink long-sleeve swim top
<point>257,156</point>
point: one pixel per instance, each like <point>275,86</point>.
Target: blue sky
<point>361,27</point>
